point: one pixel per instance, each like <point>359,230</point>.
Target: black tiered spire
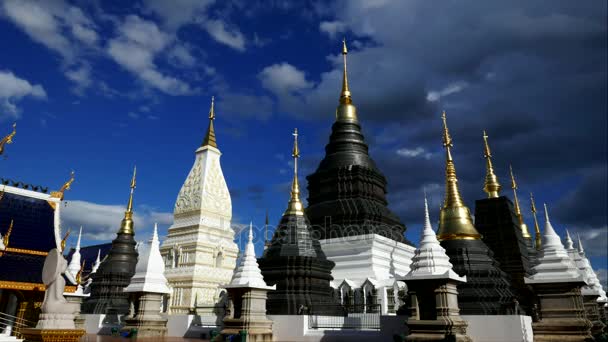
<point>347,192</point>
<point>115,272</point>
<point>295,262</point>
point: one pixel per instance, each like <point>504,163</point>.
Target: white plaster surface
<point>149,272</point>
<point>499,328</point>
<point>248,274</point>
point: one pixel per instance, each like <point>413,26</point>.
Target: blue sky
<point>99,87</point>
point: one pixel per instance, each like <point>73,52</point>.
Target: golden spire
<point>8,139</point>
<point>491,185</point>
<point>295,206</point>
<point>346,110</point>
<point>538,240</point>
<point>126,226</point>
<point>7,236</point>
<point>65,239</point>
<point>522,225</point>
<point>210,136</point>
<point>60,193</point>
<point>455,218</point>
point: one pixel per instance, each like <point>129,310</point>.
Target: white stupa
<point>248,274</point>
<point>97,262</point>
<point>74,265</point>
<point>553,264</point>
<point>593,283</point>
<point>149,272</point>
<point>430,260</point>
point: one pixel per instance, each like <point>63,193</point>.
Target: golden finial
<point>491,185</point>
<point>66,186</point>
<point>295,206</point>
<point>522,225</point>
<point>65,239</point>
<point>455,218</point>
<point>210,136</point>
<point>79,274</point>
<point>346,110</point>
<point>538,240</point>
<point>126,226</point>
<point>8,139</point>
<point>7,236</point>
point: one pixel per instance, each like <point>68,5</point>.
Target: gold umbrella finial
<point>345,94</point>
<point>491,185</point>
<point>210,136</point>
<point>522,225</point>
<point>346,111</point>
<point>538,239</point>
<point>8,139</point>
<point>126,226</point>
<point>455,221</point>
<point>295,206</point>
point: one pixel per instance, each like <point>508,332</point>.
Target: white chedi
<point>149,272</point>
<point>97,262</point>
<point>553,264</point>
<point>593,283</point>
<point>74,266</point>
<point>430,260</point>
<point>248,274</point>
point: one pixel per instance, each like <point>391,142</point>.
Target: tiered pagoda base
<point>593,314</point>
<point>434,313</point>
<point>487,290</point>
<point>249,316</point>
<point>496,221</point>
<point>562,314</point>
<point>145,319</point>
<point>52,335</point>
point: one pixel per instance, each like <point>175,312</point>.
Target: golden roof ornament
<point>210,136</point>
<point>59,194</point>
<point>7,236</point>
<point>491,185</point>
<point>8,139</point>
<point>79,274</point>
<point>522,225</point>
<point>295,206</point>
<point>455,221</point>
<point>538,239</point>
<point>126,226</point>
<point>346,111</point>
<point>65,239</point>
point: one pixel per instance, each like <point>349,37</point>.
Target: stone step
<point>6,338</point>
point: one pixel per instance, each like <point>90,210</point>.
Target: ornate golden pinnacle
<point>455,218</point>
<point>346,111</point>
<point>491,185</point>
<point>210,136</point>
<point>295,206</point>
<point>8,139</point>
<point>7,236</point>
<point>522,225</point>
<point>538,239</point>
<point>126,226</point>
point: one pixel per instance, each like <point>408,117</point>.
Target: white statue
<point>57,313</point>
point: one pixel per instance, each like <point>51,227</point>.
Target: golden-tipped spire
<point>65,239</point>
<point>455,218</point>
<point>210,136</point>
<point>346,110</point>
<point>491,185</point>
<point>522,225</point>
<point>295,206</point>
<point>8,139</point>
<point>126,226</point>
<point>538,239</point>
<point>7,236</point>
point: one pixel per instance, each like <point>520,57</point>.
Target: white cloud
<point>332,28</point>
<point>451,88</point>
<point>229,36</point>
<point>81,76</point>
<point>13,88</point>
<point>101,221</point>
<point>177,13</point>
<point>135,51</point>
<point>283,79</point>
<point>602,275</point>
<point>415,152</point>
<point>180,56</point>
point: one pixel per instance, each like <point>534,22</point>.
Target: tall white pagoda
<point>199,251</point>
